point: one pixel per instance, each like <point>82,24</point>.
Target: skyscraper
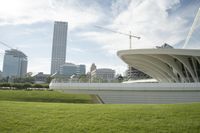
<point>59,46</point>
<point>14,64</point>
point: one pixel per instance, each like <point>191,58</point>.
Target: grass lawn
<point>40,117</point>
<point>44,96</point>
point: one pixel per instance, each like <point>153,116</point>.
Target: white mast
<point>192,28</point>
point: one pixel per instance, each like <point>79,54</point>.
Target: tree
<point>83,78</point>
<point>24,80</point>
<point>49,78</point>
<point>120,78</point>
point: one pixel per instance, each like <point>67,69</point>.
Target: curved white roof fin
<point>192,28</point>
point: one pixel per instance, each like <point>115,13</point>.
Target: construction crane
<point>130,38</point>
<point>6,45</point>
<point>129,35</point>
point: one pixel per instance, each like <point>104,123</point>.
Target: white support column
<point>195,68</point>
<point>186,64</point>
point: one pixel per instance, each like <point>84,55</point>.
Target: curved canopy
<point>165,65</point>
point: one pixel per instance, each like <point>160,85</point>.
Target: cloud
<point>76,50</point>
<point>32,11</point>
<point>43,64</point>
<point>155,21</point>
<point>118,6</point>
<point>149,19</point>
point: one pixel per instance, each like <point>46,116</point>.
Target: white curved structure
<point>180,68</point>
<point>165,64</point>
<point>135,92</point>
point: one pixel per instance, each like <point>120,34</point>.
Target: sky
<point>27,25</point>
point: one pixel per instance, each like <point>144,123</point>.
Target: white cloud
<point>31,11</point>
<point>76,50</point>
<point>119,5</point>
<point>36,65</point>
<point>148,19</point>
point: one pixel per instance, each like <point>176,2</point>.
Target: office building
<point>41,78</point>
<point>15,63</point>
<point>93,67</point>
<point>104,74</point>
<point>59,46</point>
<point>81,69</point>
<point>69,69</point>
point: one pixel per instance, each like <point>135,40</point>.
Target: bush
<point>20,86</point>
<point>37,86</point>
<point>27,85</point>
<point>5,86</point>
<point>45,85</point>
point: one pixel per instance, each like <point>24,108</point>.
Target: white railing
<point>122,87</point>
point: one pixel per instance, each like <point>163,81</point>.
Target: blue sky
<point>28,26</point>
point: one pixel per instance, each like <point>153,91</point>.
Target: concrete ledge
<point>122,87</point>
<point>146,93</point>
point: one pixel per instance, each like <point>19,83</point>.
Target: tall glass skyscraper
<point>59,46</point>
<point>14,64</point>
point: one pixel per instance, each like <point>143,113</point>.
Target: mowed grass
<point>44,96</point>
<point>40,117</point>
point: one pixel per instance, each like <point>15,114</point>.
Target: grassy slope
<point>59,117</point>
<point>43,96</point>
<point>39,117</point>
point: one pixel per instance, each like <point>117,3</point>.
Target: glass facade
<point>15,63</point>
<point>69,69</point>
<point>81,69</point>
<point>59,46</point>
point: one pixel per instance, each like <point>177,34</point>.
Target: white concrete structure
<point>177,70</point>
<point>135,92</point>
<point>73,87</point>
<point>165,64</point>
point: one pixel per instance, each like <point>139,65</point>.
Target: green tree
<point>83,78</point>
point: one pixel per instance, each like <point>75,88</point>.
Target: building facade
<point>93,67</point>
<point>104,74</point>
<point>59,46</point>
<point>15,63</point>
<point>69,69</point>
<point>81,69</point>
<point>41,77</point>
<point>134,74</point>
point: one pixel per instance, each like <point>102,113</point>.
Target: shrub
<point>27,85</point>
<point>18,86</point>
<point>5,86</point>
<point>37,86</point>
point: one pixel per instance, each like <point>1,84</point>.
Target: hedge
<point>21,86</point>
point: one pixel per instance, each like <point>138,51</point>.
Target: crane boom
<point>118,32</point>
<point>130,35</point>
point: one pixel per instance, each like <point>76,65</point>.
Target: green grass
<point>41,117</point>
<point>43,96</point>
